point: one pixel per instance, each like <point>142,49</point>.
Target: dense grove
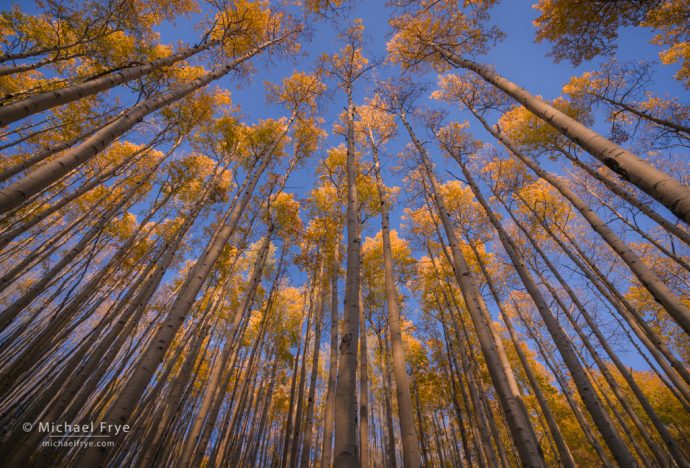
<point>509,286</point>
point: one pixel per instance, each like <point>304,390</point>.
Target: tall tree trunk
<point>484,448</point>
<point>213,386</point>
<point>637,391</point>
<point>657,184</point>
<point>565,388</point>
<point>566,458</point>
<point>287,436</point>
<point>11,312</point>
<point>345,445</point>
<point>318,325</point>
<point>628,196</point>
<point>454,369</point>
<point>387,386</point>
<point>299,416</point>
<point>420,421</point>
<point>647,335</point>
<point>48,152</point>
<point>410,443</point>
<point>333,361</point>
<point>11,234</point>
<point>363,387</point>
<point>48,99</point>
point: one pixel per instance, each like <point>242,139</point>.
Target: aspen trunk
<point>363,386</point>
<point>629,197</point>
<point>450,375</point>
<point>566,457</point>
<point>560,379</point>
<point>287,435</point>
<point>11,312</point>
<point>656,450</point>
<point>390,433</point>
<point>485,453</point>
<point>642,330</point>
<point>46,153</point>
<point>47,100</point>
<point>410,443</point>
<point>299,416</point>
<point>23,68</point>
<point>637,391</point>
<point>345,445</point>
<point>332,363</point>
<point>100,178</point>
<point>657,184</point>
<point>318,325</point>
<point>213,386</point>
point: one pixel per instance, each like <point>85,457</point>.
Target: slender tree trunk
<point>124,405</point>
<point>566,457</point>
<point>285,454</point>
<point>47,100</point>
<point>410,443</point>
<point>565,388</point>
<point>318,325</point>
<point>264,415</point>
<point>299,416</point>
<point>454,370</point>
<point>420,421</point>
<point>11,234</point>
<point>345,445</point>
<point>647,116</point>
<point>656,450</point>
<point>11,312</point>
<point>680,260</point>
<point>363,387</point>
<point>480,429</point>
<point>648,336</point>
<point>48,152</point>
<point>629,197</point>
<point>333,361</point>
<point>637,391</point>
<point>213,386</point>
<point>25,67</point>
<point>390,432</point>
<point>565,347</point>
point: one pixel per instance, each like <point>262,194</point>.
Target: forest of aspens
<point>349,233</point>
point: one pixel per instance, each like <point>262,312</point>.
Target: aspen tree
<point>376,127</point>
<point>347,66</point>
